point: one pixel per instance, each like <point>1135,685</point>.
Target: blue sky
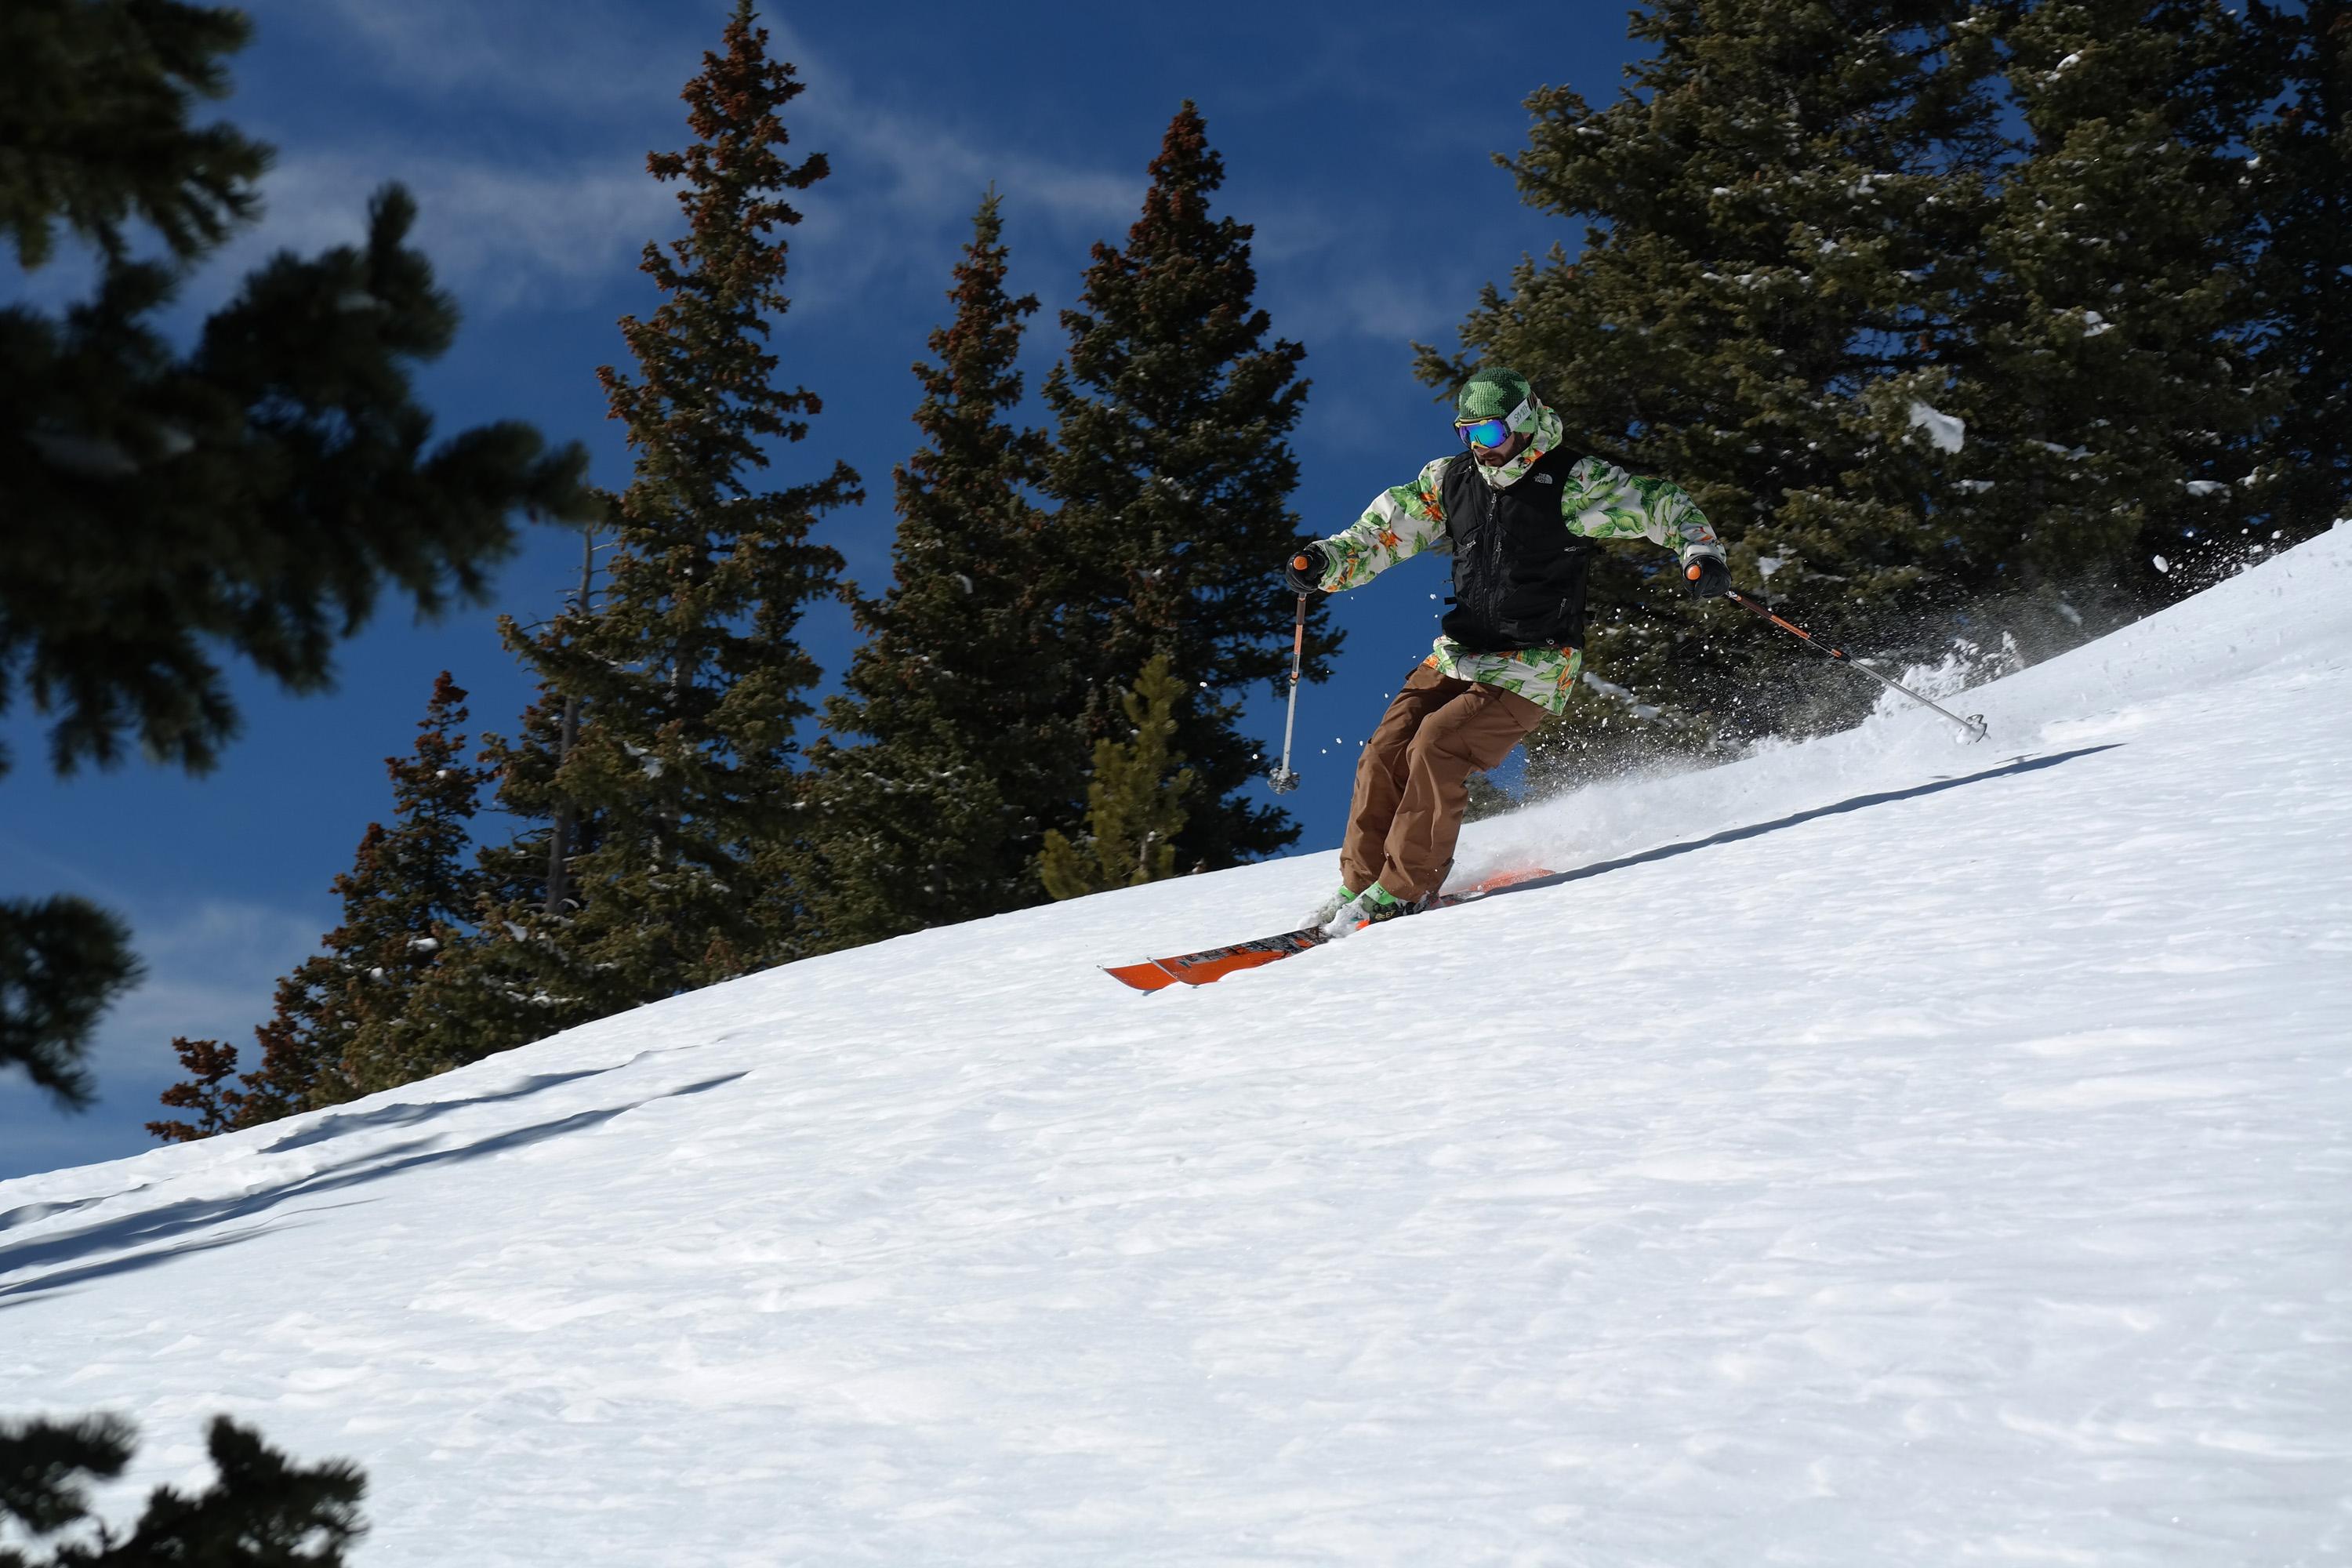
<point>1358,137</point>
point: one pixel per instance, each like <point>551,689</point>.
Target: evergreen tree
<point>569,831</point>
<point>345,1021</point>
<point>1173,470</point>
<point>1135,810</point>
<point>2104,358</point>
<point>1756,312</point>
<point>687,675</point>
<point>218,1104</point>
<point>261,1510</point>
<point>962,685</point>
<point>2301,180</point>
<point>256,494</point>
<point>509,985</point>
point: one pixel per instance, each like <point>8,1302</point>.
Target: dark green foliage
<point>2301,180</point>
<point>1135,801</point>
<point>259,495</point>
<point>1173,470</point>
<point>2103,353</point>
<point>686,675</point>
<point>62,961</point>
<point>407,904</point>
<point>261,1510</point>
<point>345,1021</point>
<point>505,986</point>
<point>963,685</point>
<point>253,498</point>
<point>95,125</point>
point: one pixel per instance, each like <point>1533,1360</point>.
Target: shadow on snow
<point>334,1124</point>
<point>1733,834</point>
<point>179,1219</point>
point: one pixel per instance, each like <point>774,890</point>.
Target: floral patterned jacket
<point>1600,500</point>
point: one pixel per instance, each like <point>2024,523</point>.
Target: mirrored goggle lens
<point>1484,433</point>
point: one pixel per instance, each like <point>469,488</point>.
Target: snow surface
<point>1884,1151</point>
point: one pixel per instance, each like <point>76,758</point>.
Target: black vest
<point>1519,572</point>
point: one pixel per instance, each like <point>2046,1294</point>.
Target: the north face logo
<point>1540,479</point>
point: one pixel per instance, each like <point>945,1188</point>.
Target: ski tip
<point>1144,976</point>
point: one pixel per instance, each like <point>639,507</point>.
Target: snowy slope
<point>1923,1158</point>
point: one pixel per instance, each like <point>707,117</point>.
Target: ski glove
<point>1307,578</point>
<point>1709,577</point>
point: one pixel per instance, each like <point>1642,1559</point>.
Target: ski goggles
<point>1489,432</point>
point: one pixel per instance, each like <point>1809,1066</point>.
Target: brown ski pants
<point>1413,781</point>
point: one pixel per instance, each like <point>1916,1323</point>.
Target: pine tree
<point>218,1104</point>
<point>261,1510</point>
<point>962,685</point>
<point>2104,361</point>
<point>512,981</point>
<point>407,906</point>
<point>1174,470</point>
<point>2301,179</point>
<point>1135,802</point>
<point>257,495</point>
<point>1756,312</point>
<point>688,674</point>
<point>535,866</point>
<point>346,1020</point>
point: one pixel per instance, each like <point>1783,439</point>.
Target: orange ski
<point>1214,964</point>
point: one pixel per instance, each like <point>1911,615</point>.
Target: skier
<point>1515,510</point>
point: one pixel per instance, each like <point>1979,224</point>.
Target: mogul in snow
<point>1516,513</point>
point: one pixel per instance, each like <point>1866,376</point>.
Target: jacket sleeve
<point>1603,500</point>
<point>1402,521</point>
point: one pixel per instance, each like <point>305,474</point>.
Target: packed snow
<point>1879,1150</point>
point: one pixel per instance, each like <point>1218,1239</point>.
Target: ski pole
<point>1281,780</point>
<point>1974,724</point>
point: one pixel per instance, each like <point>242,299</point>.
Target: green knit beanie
<point>1493,393</point>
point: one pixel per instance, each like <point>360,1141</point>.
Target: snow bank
<point>1884,1151</point>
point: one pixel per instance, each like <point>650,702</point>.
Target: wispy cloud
<point>583,59</point>
<point>508,232</point>
<point>1395,307</point>
<point>502,234</point>
<point>210,969</point>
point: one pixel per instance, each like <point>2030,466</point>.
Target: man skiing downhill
<point>1516,513</point>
